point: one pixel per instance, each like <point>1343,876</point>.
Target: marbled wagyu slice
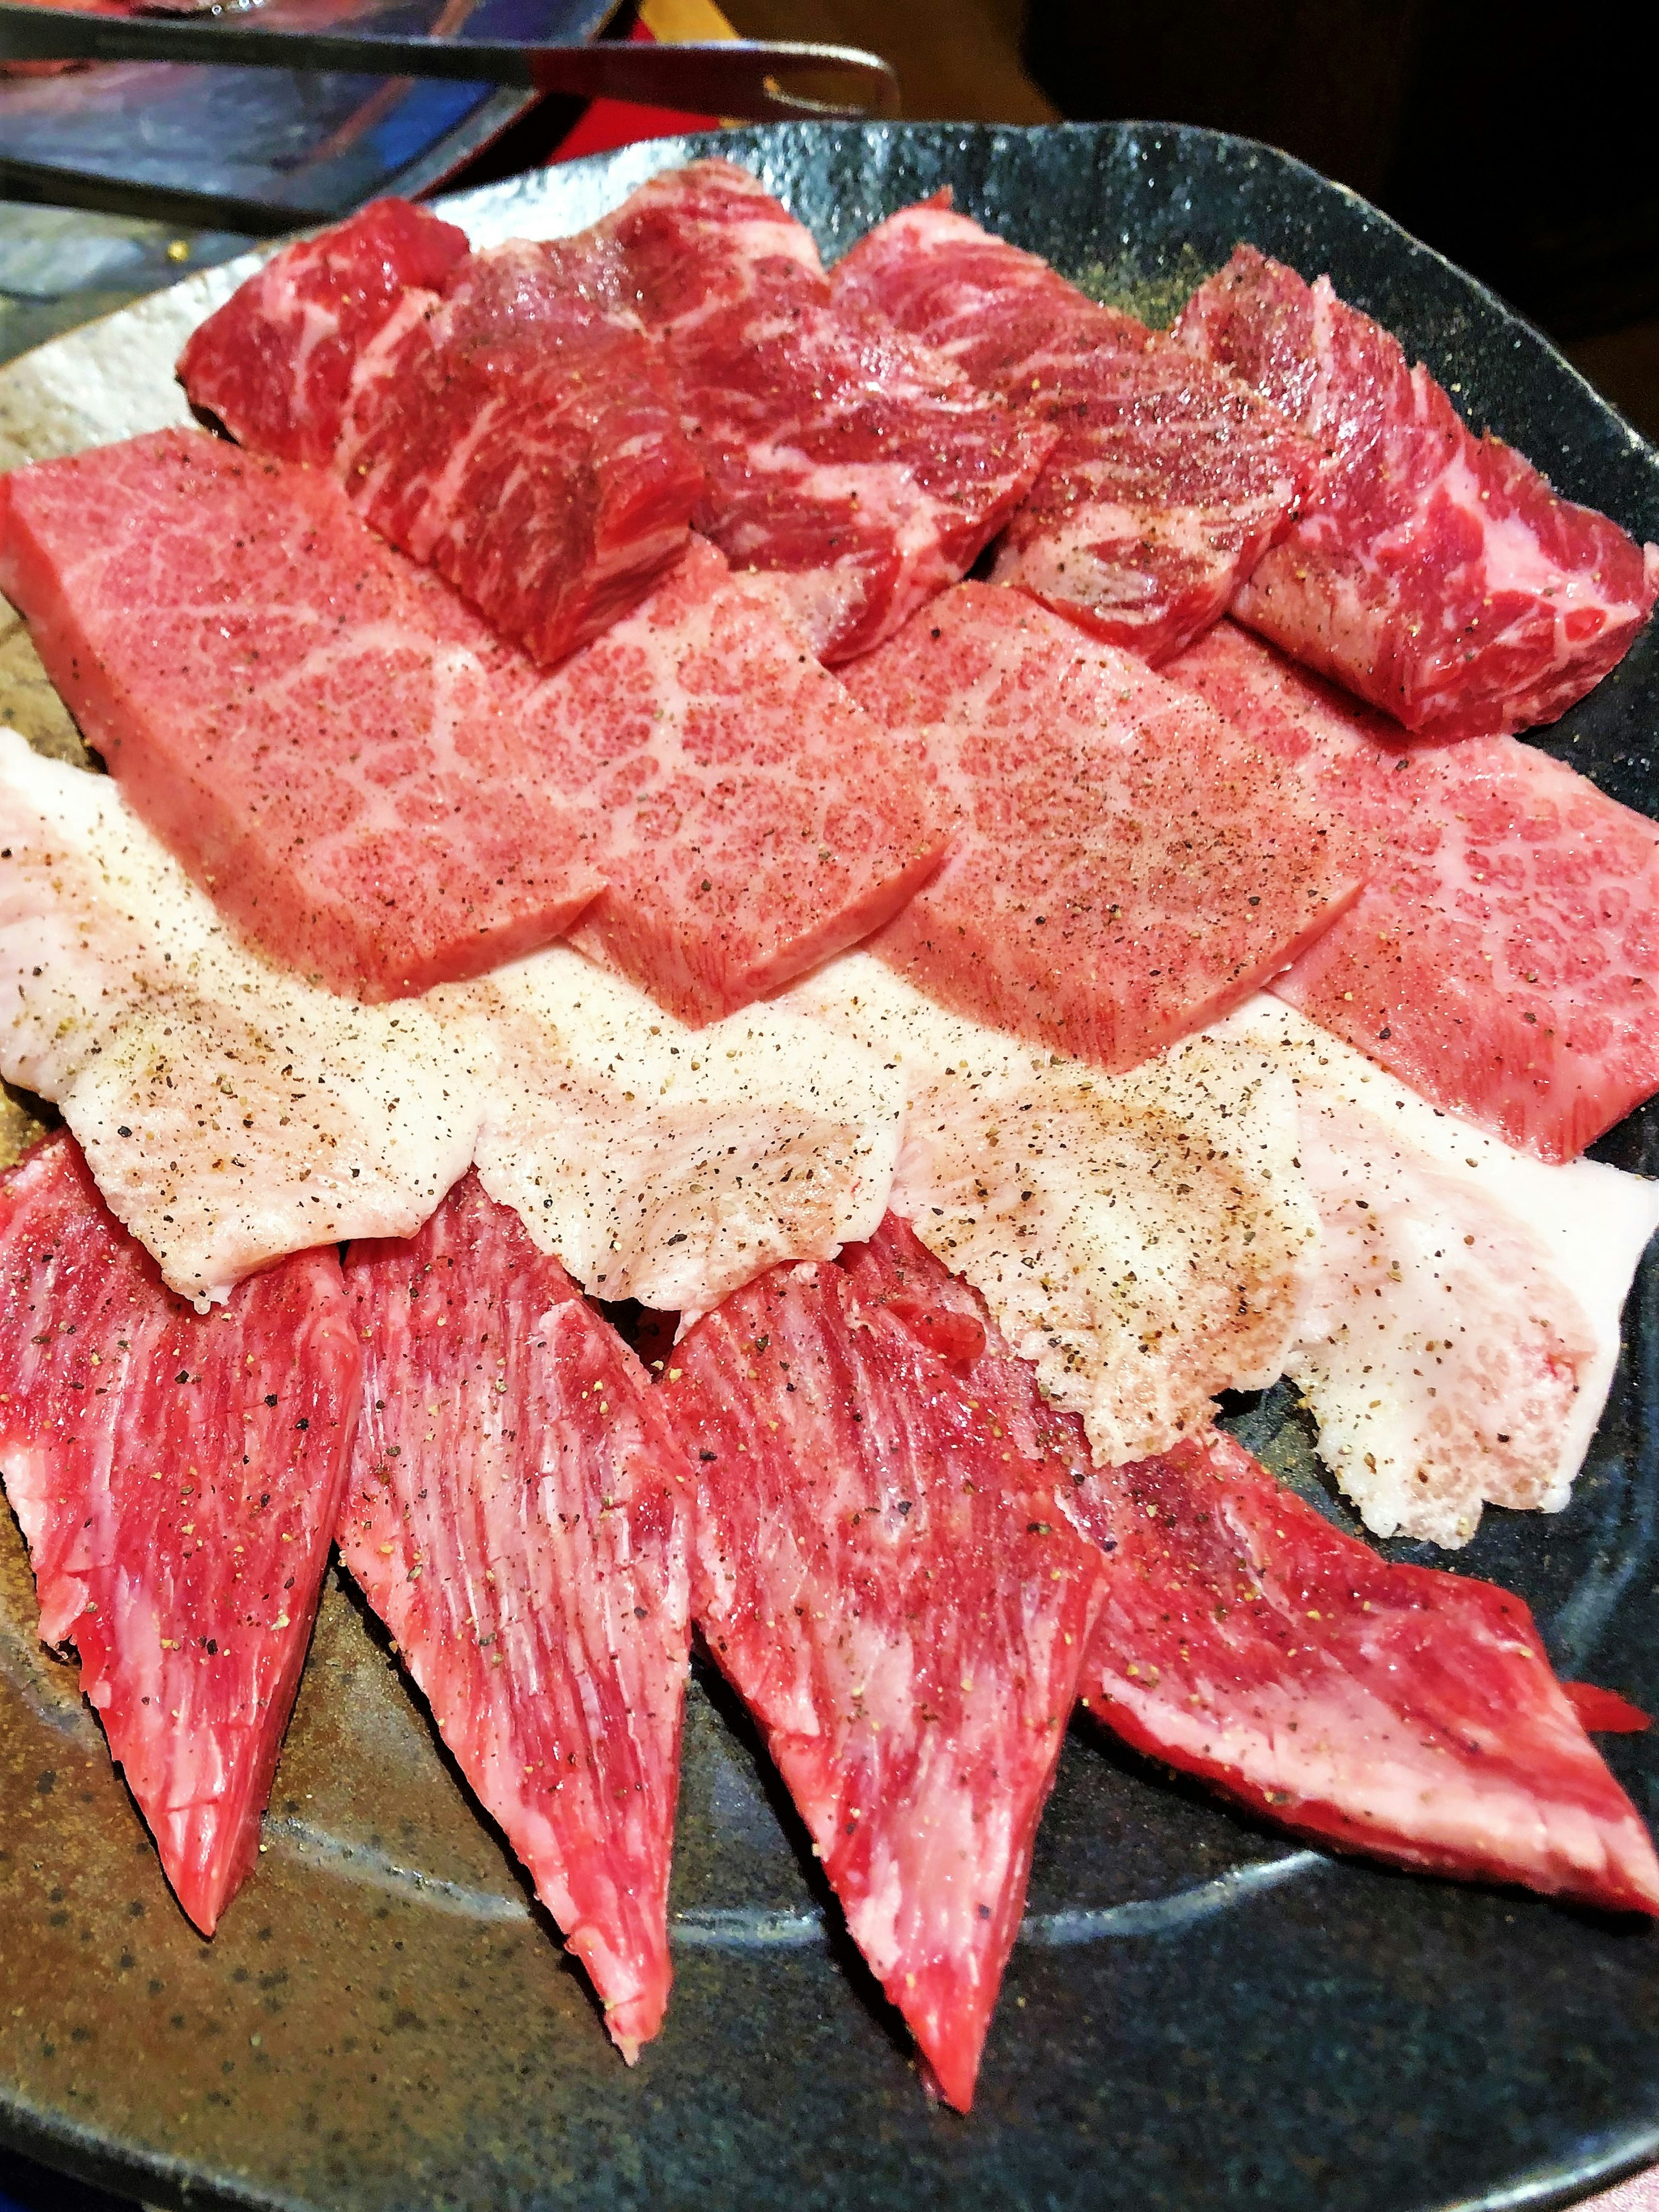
<point>1434,573</point>
<point>1503,958</point>
<point>1127,865</point>
<point>756,820</point>
<point>1396,1710</point>
<point>518,1517</point>
<point>305,718</point>
<point>853,464</point>
<point>1169,478</point>
<point>894,1597</point>
<point>178,1480</point>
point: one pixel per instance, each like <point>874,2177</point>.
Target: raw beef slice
<point>177,1477</point>
<point>894,1597</point>
<point>756,820</point>
<point>519,436</point>
<point>518,1517</point>
<point>319,731</point>
<point>1435,574</point>
<point>1170,477</point>
<point>276,362</point>
<point>860,469</point>
<point>1396,1710</point>
<point>1503,958</point>
<point>1127,865</point>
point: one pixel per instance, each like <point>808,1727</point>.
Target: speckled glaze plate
<point>1199,2014</point>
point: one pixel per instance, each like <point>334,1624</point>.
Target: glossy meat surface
<point>306,718</point>
<point>855,465</point>
<point>518,1517</point>
<point>1401,1711</point>
<point>177,1477</point>
<point>1503,958</point>
<point>1435,574</point>
<point>519,436</point>
<point>1169,478</point>
<point>275,363</point>
<point>893,1595</point>
<point>1127,865</point>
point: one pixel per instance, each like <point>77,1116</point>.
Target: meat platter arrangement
<point>979,855</point>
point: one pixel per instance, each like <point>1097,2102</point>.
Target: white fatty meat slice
<point>1459,1340</point>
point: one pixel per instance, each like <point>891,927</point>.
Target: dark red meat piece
<point>1604,1712</point>
<point>177,1476</point>
<point>1435,574</point>
<point>1503,958</point>
<point>517,1517</point>
<point>1127,865</point>
<point>321,732</point>
<point>276,362</point>
<point>1170,477</point>
<point>519,436</point>
<point>854,465</point>
<point>893,1595</point>
<point>1396,1710</point>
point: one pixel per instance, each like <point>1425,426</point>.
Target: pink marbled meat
<point>1396,1710</point>
<point>276,362</point>
<point>1170,477</point>
<point>177,1477</point>
<point>860,469</point>
<point>519,436</point>
<point>1436,573</point>
<point>1503,959</point>
<point>309,721</point>
<point>893,1595</point>
<point>1127,865</point>
<point>518,1517</point>
<point>756,819</point>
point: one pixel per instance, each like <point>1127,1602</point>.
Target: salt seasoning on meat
<point>177,1479</point>
<point>1400,1711</point>
<point>1434,573</point>
<point>518,1516</point>
<point>1144,1240</point>
<point>665,1163</point>
<point>890,1589</point>
<point>1503,958</point>
<point>1170,477</point>
<point>1459,1337</point>
<point>1127,865</point>
<point>756,820</point>
<point>275,363</point>
<point>857,468</point>
<point>305,718</point>
<point>230,1112</point>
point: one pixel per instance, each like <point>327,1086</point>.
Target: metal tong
<point>742,78</point>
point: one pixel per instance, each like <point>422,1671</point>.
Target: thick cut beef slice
<point>276,362</point>
<point>517,1517</point>
<point>849,459</point>
<point>1435,574</point>
<point>177,1477</point>
<point>1127,865</point>
<point>1170,477</point>
<point>519,436</point>
<point>756,820</point>
<point>319,730</point>
<point>1397,1710</point>
<point>1503,958</point>
<point>893,1595</point>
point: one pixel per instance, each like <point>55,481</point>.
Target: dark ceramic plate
<point>1199,2015</point>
